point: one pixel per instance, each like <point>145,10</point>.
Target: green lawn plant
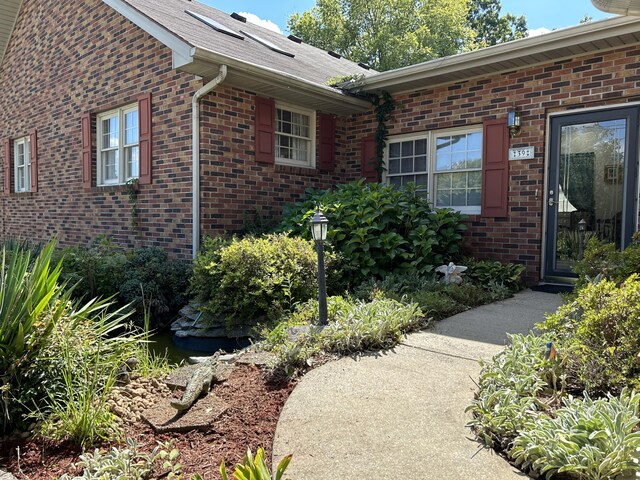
<point>379,229</point>
<point>586,439</point>
<point>31,305</point>
<point>600,329</point>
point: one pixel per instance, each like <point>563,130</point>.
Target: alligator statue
<point>199,383</point>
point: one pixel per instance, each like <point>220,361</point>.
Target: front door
<point>591,184</point>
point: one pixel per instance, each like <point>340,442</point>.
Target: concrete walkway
<point>401,413</point>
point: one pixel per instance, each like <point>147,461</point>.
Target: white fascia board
<point>13,26</point>
<point>181,49</point>
<point>277,77</point>
<point>565,37</point>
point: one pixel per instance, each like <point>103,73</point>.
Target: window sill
<point>465,210</point>
<point>296,170</point>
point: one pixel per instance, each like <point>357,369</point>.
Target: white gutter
<point>195,129</point>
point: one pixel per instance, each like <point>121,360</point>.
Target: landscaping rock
<point>255,358</point>
<point>163,417</point>
<point>179,378</point>
<point>129,401</point>
<point>6,476</point>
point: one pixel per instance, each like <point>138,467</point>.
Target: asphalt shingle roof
<point>309,63</point>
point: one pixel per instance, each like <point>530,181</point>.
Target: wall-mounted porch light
<point>513,122</point>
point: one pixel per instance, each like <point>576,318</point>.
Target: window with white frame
<point>446,165</point>
<point>22,164</point>
<point>295,136</point>
<point>118,150</point>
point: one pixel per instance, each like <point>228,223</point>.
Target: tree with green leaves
<point>490,27</point>
<point>386,34</point>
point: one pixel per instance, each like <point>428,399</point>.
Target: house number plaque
<point>521,153</point>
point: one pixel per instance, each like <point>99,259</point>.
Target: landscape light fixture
<point>513,122</point>
<point>319,224</point>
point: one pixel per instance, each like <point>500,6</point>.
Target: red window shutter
<point>33,158</point>
<point>327,142</point>
<point>87,164</point>
<point>7,166</point>
<point>145,137</point>
<point>265,130</point>
<point>495,169</point>
<point>369,160</point>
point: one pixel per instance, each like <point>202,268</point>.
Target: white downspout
<point>195,128</point>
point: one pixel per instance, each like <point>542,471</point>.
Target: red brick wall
<point>608,78</point>
<point>68,57</point>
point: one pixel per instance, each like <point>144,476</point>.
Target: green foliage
<point>587,439</point>
<point>256,468</point>
<point>118,464</point>
<point>490,27</point>
<point>510,387</point>
<point>385,34</point>
<point>31,305</point>
<point>601,328</point>
<point>247,279</point>
<point>380,230</point>
<point>383,105</point>
<point>603,260</point>
<point>105,270</point>
<point>485,272</point>
<point>87,350</point>
<point>354,326</point>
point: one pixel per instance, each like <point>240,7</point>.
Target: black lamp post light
<point>319,224</point>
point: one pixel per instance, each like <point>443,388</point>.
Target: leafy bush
<point>31,307</point>
<point>486,272</point>
<point>601,329</point>
<point>509,389</point>
<point>143,277</point>
<point>588,439</point>
<point>379,229</point>
<point>353,326</point>
<point>254,469</point>
<point>118,464</point>
<point>253,277</point>
<point>603,260</point>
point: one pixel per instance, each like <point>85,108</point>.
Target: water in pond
<point>179,349</point>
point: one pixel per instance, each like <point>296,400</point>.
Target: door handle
<point>552,202</point>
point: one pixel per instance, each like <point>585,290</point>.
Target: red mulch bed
<point>255,402</point>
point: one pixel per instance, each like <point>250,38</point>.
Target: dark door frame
<point>629,209</point>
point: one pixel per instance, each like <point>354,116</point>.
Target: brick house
<point>99,92</point>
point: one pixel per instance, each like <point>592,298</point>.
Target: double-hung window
<point>295,131</point>
<point>118,146</point>
<point>445,165</point>
<point>22,164</point>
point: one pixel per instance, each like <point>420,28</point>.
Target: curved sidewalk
<point>401,413</point>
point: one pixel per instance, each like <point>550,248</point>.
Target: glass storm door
<point>591,184</point>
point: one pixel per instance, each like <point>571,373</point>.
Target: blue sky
<point>547,14</point>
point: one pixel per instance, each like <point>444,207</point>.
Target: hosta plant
<point>587,439</point>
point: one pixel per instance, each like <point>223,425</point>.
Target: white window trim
<point>312,138</point>
<point>431,136</point>
<point>26,142</point>
<point>122,165</point>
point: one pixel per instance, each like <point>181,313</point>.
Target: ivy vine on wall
<point>383,105</point>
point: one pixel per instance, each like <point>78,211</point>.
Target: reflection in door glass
<point>591,187</point>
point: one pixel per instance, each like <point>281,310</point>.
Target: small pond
<point>179,349</point>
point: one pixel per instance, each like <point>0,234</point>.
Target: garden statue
<point>452,273</point>
<point>200,382</point>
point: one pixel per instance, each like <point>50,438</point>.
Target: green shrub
<point>486,272</point>
<point>509,387</point>
<point>256,277</point>
<point>587,439</point>
<point>437,304</point>
<point>353,326</point>
<point>603,260</point>
<point>601,329</point>
<point>154,281</point>
<point>138,278</point>
<point>379,229</point>
<point>31,307</point>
